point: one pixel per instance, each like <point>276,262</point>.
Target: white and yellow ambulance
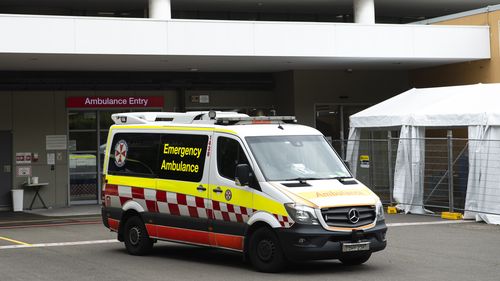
<point>263,186</point>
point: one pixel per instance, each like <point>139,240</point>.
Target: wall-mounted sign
<point>56,142</point>
<point>204,99</point>
<point>51,158</point>
<point>200,99</point>
<point>107,102</point>
<point>23,171</point>
<point>23,157</point>
<point>364,161</point>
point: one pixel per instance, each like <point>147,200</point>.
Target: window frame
<point>241,149</point>
<point>204,156</point>
<point>116,138</point>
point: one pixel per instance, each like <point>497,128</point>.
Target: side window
<point>229,154</point>
<point>182,157</point>
<point>134,154</point>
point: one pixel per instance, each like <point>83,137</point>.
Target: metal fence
<point>445,174</point>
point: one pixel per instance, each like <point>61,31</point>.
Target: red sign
<point>106,102</point>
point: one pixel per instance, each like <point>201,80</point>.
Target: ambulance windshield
<point>283,158</point>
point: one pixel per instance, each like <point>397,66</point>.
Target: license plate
<point>355,247</point>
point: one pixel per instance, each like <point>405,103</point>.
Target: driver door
<point>231,205</point>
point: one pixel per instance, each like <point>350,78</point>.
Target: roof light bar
<point>198,117</point>
<point>255,120</point>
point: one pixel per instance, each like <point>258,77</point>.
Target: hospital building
<point>67,65</point>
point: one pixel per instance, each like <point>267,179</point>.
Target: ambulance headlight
<point>301,214</point>
<point>380,211</point>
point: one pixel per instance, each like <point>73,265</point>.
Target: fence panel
<point>445,175</point>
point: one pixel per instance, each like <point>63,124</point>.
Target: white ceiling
<point>399,8</point>
<point>383,7</point>
<point>34,62</point>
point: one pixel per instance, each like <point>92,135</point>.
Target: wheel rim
<point>134,235</point>
<point>265,250</point>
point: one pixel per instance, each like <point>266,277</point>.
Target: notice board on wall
<point>56,142</point>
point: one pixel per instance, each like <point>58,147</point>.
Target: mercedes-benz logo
<point>353,215</point>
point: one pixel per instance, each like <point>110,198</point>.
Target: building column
<point>160,9</point>
<point>364,11</point>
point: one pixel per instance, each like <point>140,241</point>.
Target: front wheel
<point>136,237</point>
<point>265,253</point>
<point>356,260</point>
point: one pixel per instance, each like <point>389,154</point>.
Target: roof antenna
<point>279,126</point>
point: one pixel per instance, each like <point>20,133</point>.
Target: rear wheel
<point>136,237</point>
<point>265,252</point>
<point>356,260</point>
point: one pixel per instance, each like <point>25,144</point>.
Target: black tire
<point>265,253</point>
<point>356,260</point>
<point>136,237</point>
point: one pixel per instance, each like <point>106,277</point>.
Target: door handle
<point>201,188</point>
<point>218,189</point>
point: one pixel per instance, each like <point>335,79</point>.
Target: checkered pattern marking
<point>284,221</point>
<point>230,212</point>
<point>182,205</point>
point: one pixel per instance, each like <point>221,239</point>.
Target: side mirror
<point>242,175</point>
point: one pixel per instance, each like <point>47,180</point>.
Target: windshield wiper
<point>304,179</point>
<point>341,178</point>
<point>301,179</point>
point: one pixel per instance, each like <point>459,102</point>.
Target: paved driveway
<point>420,248</point>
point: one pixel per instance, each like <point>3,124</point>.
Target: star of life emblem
<point>121,149</point>
<point>228,195</point>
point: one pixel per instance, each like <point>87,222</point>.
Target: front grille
<point>338,217</point>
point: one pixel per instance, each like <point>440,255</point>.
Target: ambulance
<point>267,187</point>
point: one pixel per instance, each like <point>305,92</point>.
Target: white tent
<point>474,106</point>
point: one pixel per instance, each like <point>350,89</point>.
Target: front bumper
<point>313,242</point>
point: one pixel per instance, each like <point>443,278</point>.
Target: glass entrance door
<point>83,143</point>
<point>88,133</point>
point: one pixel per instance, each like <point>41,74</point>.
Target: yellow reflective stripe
<point>132,181</point>
<point>218,130</point>
<point>107,150</point>
<point>182,187</point>
<point>239,197</point>
<point>180,128</point>
<point>244,198</point>
<point>294,196</point>
<point>262,203</point>
<point>173,128</point>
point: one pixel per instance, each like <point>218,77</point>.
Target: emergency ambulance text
<point>179,167</point>
<point>182,151</point>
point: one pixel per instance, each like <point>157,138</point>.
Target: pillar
<point>160,9</point>
<point>364,11</point>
